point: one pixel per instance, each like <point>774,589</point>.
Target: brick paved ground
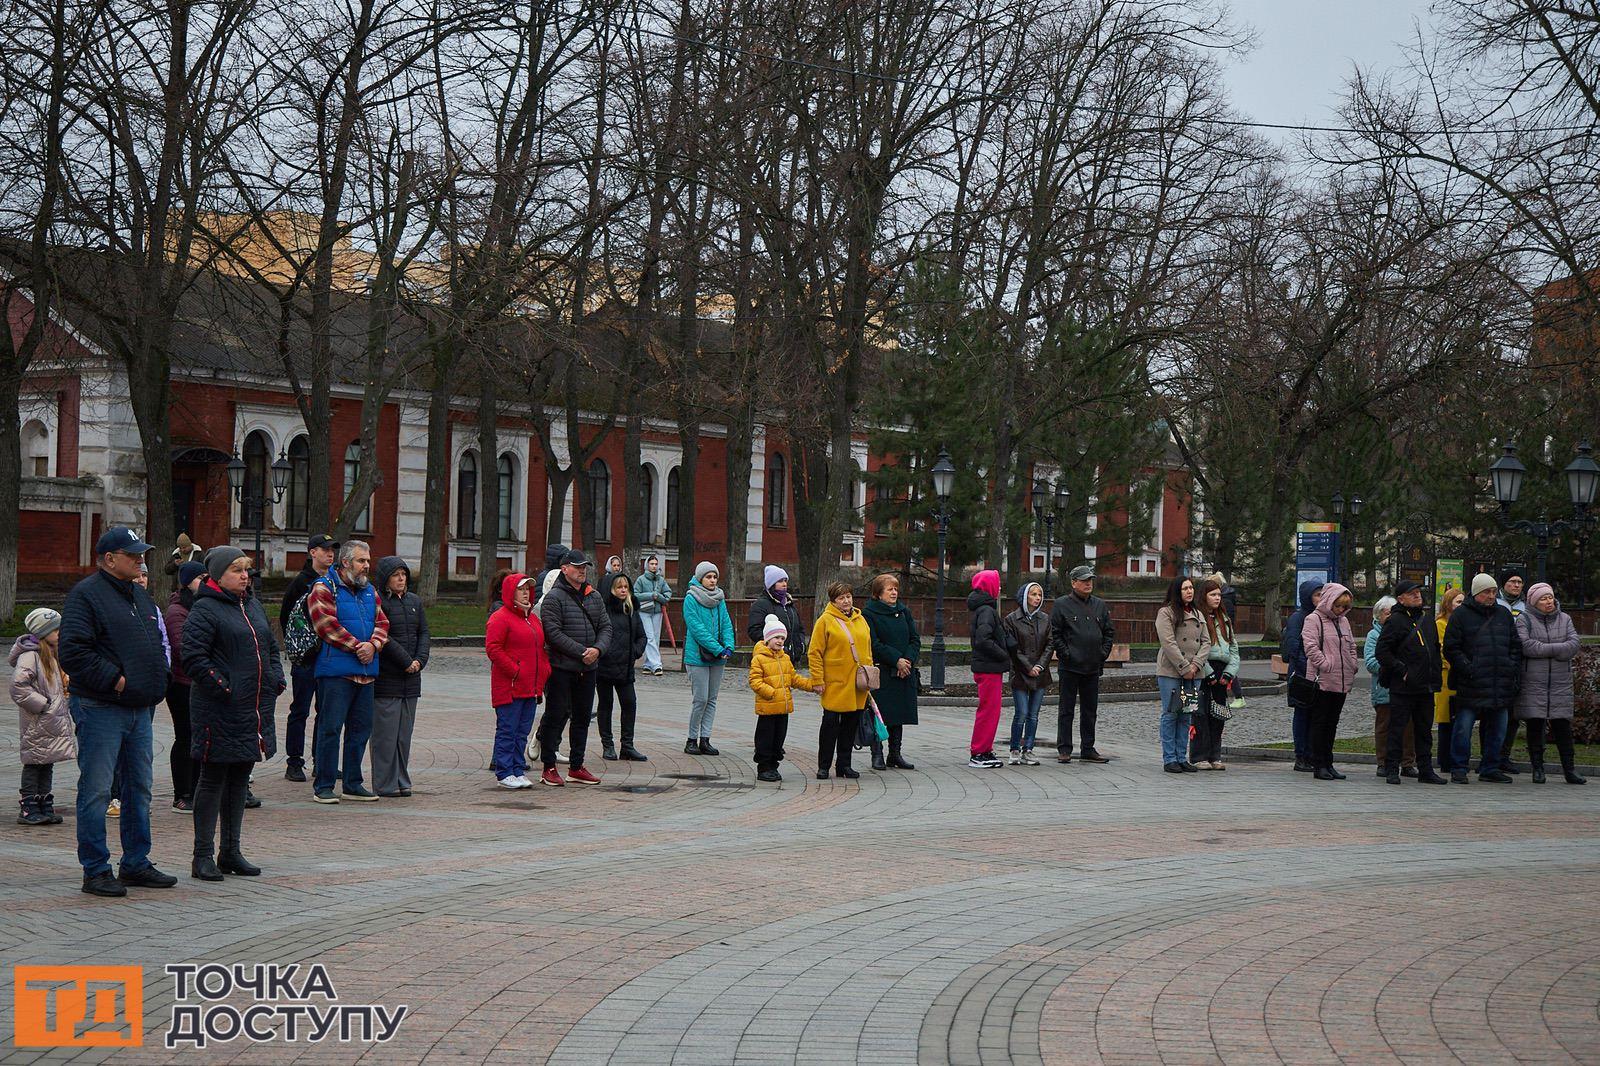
<point>1074,914</point>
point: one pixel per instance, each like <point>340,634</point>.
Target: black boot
<point>32,812</point>
<point>231,862</point>
<point>1568,769</point>
<point>608,751</point>
<point>631,754</point>
<point>1538,770</point>
<point>50,809</point>
<point>877,760</point>
<point>1304,766</point>
<point>706,748</point>
<point>897,761</point>
<point>204,869</point>
<point>691,747</point>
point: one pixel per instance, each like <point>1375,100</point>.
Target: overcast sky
<point>1305,51</point>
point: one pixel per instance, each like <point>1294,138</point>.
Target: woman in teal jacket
<point>707,647</point>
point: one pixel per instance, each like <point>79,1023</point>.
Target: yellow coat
<point>832,666</point>
<point>773,680</point>
<point>1441,699</point>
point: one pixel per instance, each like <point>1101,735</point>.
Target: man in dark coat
<point>1485,654</point>
<point>1082,635</point>
<point>1409,666</point>
<point>576,632</point>
<point>111,648</point>
<point>399,684</point>
<point>320,551</point>
<point>1292,650</point>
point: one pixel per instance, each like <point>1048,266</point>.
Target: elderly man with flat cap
<point>1082,634</point>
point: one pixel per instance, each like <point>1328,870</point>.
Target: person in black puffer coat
<point>991,658</point>
<point>399,684</point>
<point>616,666</point>
<point>232,658</point>
<point>1408,660</point>
<point>776,601</point>
<point>1485,654</point>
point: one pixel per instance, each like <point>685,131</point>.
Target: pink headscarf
<point>987,582</point>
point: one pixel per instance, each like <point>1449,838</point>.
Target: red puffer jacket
<point>518,666</point>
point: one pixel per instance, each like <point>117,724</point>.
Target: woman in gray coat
<point>1549,644</point>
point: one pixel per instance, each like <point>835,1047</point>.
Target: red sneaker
<point>580,776</point>
<point>552,776</point>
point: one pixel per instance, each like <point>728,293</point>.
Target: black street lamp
<point>1355,503</point>
<point>1047,506</point>
<point>1583,477</point>
<point>256,503</point>
<point>944,476</point>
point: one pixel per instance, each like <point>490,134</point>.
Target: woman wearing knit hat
<point>232,656</point>
<point>775,600</point>
<point>185,769</point>
<point>707,647</point>
<point>1549,644</point>
<point>39,689</point>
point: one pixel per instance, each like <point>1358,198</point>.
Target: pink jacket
<point>1330,644</point>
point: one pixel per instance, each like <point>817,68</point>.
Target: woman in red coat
<point>518,670</point>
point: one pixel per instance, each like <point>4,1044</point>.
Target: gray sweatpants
<point>392,720</point>
<point>705,681</point>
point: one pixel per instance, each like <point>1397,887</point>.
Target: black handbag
<point>1302,690</point>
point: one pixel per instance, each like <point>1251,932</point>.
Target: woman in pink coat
<point>1332,662</point>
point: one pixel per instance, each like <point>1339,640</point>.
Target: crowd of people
<point>355,637</point>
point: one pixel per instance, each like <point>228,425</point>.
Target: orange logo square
<point>79,1006</point>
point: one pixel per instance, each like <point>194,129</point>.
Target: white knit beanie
<point>1484,583</point>
<point>774,627</point>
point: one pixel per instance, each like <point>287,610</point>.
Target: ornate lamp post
<point>1338,502</point>
<point>1583,477</point>
<point>256,503</point>
<point>1047,506</point>
<point>944,476</point>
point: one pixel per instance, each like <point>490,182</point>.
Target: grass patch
<point>1587,754</point>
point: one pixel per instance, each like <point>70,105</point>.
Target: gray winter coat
<point>47,733</point>
<point>1549,644</point>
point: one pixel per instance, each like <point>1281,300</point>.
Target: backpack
<point>300,639</point>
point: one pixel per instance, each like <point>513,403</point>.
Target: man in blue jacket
<point>111,647</point>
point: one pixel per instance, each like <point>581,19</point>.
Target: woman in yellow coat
<point>773,680</point>
<point>840,641</point>
<point>1449,600</point>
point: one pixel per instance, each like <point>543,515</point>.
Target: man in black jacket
<point>1485,654</point>
<point>1409,666</point>
<point>111,647</point>
<point>1082,634</point>
<point>320,551</point>
<point>576,632</point>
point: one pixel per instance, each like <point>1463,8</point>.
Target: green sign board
<point>1449,573</point>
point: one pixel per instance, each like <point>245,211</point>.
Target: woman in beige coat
<point>1182,658</point>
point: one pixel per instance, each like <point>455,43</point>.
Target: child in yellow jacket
<point>773,680</point>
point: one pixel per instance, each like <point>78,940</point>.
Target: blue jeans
<point>1461,739</point>
<point>1174,723</point>
<point>512,723</point>
<point>303,686</point>
<point>112,741</point>
<point>342,707</point>
<point>1026,720</point>
<point>1302,733</point>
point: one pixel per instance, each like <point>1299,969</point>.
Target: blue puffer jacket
<point>112,629</point>
<point>1380,695</point>
<point>1291,648</point>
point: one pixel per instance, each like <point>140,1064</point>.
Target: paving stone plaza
<point>681,913</point>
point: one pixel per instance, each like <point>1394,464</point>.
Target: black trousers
<point>568,697</point>
<point>37,777</point>
<point>1325,711</point>
<point>1082,690</point>
<point>220,793</point>
<point>185,768</point>
<point>1559,730</point>
<point>896,734</point>
<point>835,738</point>
<point>1413,712</point>
<point>771,731</point>
<point>629,702</point>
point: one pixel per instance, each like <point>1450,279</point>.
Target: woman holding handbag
<point>1222,666</point>
<point>896,647</point>
<point>1182,658</point>
<point>1333,663</point>
<point>841,669</point>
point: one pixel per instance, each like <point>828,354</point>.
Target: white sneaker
<point>1016,757</point>
<point>523,782</point>
<point>511,782</point>
<point>560,757</point>
<point>1028,759</point>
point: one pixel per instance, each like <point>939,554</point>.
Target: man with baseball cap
<point>111,647</point>
<point>1082,635</point>
<point>320,551</point>
<point>1410,667</point>
<point>576,631</point>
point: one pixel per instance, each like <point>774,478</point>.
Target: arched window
<point>505,471</point>
<point>352,471</point>
<point>35,449</point>
<point>647,474</point>
<point>298,498</point>
<point>467,497</point>
<point>777,492</point>
<point>672,507</point>
<point>599,509</point>
<point>252,513</point>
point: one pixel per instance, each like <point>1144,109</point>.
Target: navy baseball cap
<point>322,540</point>
<point>574,557</point>
<point>120,539</point>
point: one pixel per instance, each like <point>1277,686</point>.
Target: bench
<point>1279,667</point>
<point>1120,654</point>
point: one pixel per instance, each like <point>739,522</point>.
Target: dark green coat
<point>894,637</point>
